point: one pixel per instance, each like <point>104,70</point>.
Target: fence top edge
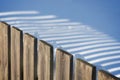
<point>109,74</point>
<point>94,67</point>
<point>2,22</point>
<point>46,43</point>
<point>61,50</point>
<point>16,28</point>
<point>30,35</point>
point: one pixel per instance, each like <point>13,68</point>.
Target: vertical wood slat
<point>84,70</point>
<point>103,75</point>
<point>45,61</point>
<point>64,65</point>
<point>16,53</point>
<point>4,50</point>
<point>29,57</point>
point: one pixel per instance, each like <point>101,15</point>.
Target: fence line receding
<point>25,57</point>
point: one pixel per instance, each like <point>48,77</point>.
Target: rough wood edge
<point>93,70</point>
<point>58,49</point>
<point>30,35</point>
<point>2,22</point>
<point>46,43</point>
<point>86,62</point>
<point>17,28</point>
<point>105,72</point>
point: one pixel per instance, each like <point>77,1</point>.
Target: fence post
<point>4,51</point>
<point>103,75</point>
<point>64,65</point>
<point>29,57</point>
<point>16,53</point>
<point>84,70</point>
<point>45,61</point>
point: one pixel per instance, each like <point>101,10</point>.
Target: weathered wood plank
<point>29,57</point>
<point>103,75</point>
<point>64,65</point>
<point>4,51</point>
<point>45,61</point>
<point>16,53</point>
<point>84,70</point>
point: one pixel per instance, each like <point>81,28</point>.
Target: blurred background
<point>102,15</point>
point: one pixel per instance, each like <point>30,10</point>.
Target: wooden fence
<point>24,57</point>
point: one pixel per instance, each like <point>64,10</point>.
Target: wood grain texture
<point>29,57</point>
<point>64,65</point>
<point>103,75</point>
<point>84,70</point>
<point>16,53</point>
<point>4,50</point>
<point>45,61</point>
